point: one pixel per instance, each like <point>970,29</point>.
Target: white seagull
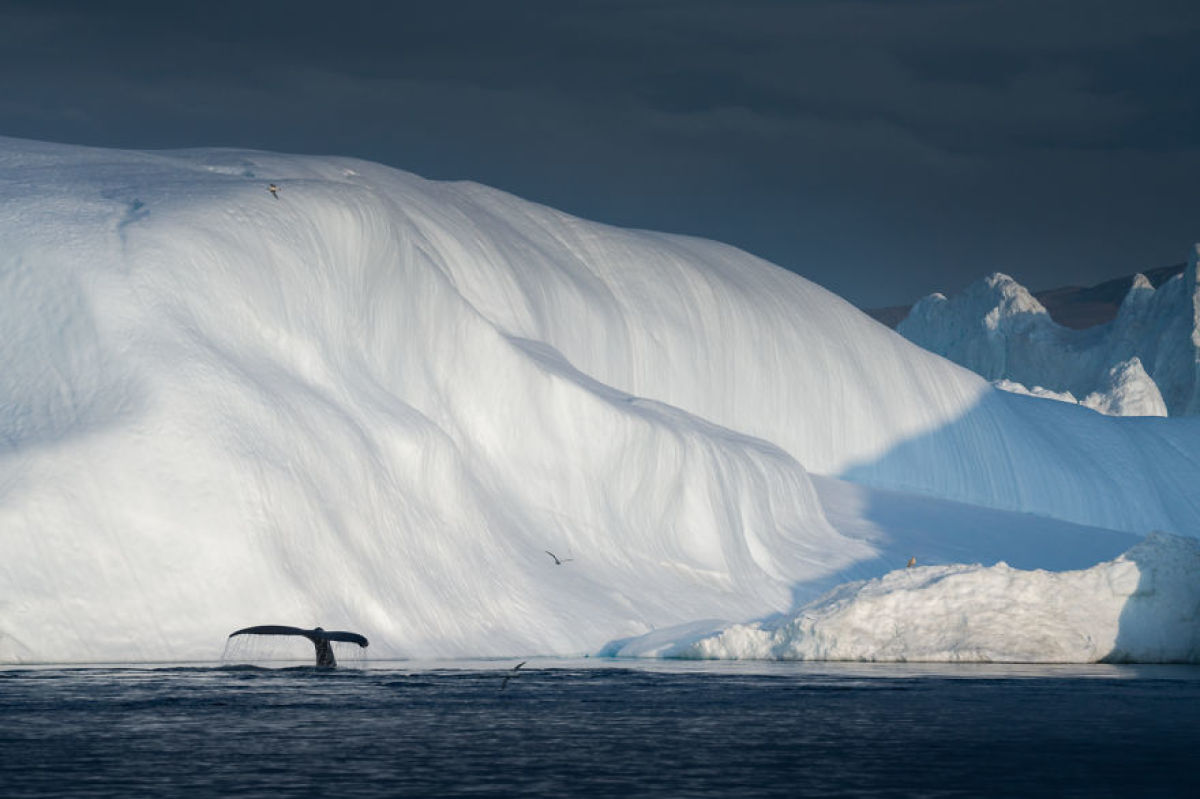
<point>557,560</point>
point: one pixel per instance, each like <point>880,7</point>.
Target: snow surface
<point>1146,362</point>
<point>1141,607</point>
<point>373,403</point>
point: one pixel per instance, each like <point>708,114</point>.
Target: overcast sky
<point>883,149</point>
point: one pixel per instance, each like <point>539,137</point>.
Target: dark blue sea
<point>601,728</point>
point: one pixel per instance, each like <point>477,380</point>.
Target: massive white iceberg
<point>374,401</point>
<point>1146,362</point>
<point>1141,607</point>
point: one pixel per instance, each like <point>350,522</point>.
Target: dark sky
<point>883,149</point>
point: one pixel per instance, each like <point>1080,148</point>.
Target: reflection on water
<point>600,728</point>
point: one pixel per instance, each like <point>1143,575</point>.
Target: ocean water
<point>600,728</point>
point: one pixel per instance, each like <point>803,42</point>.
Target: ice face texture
<point>373,402</point>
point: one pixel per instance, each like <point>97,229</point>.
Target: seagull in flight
<point>507,677</point>
<point>557,560</point>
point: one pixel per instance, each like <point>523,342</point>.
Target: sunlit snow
<point>374,402</point>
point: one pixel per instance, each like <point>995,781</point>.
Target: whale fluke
<point>320,639</point>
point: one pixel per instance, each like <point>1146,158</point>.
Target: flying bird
<point>911,562</point>
<point>557,560</point>
<point>274,190</point>
<point>513,673</point>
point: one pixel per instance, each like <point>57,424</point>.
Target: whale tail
<point>321,639</point>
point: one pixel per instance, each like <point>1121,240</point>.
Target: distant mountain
<point>1076,307</point>
<point>1080,308</point>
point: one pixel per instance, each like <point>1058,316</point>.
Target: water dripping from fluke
<point>322,640</point>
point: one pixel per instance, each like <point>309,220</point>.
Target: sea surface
<point>600,728</point>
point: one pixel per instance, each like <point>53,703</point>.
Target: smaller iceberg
<point>1142,607</point>
<point>1144,362</point>
<point>1125,390</point>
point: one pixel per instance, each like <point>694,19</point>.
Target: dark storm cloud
<point>884,149</point>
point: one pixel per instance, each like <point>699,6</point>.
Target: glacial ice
<point>1146,362</point>
<point>374,402</point>
<point>1140,607</point>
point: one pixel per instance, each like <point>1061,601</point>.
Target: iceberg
<point>1140,607</point>
<point>1145,362</point>
<point>374,401</point>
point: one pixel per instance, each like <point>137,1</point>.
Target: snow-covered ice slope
<point>1141,607</point>
<point>374,401</point>
<point>1146,362</point>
